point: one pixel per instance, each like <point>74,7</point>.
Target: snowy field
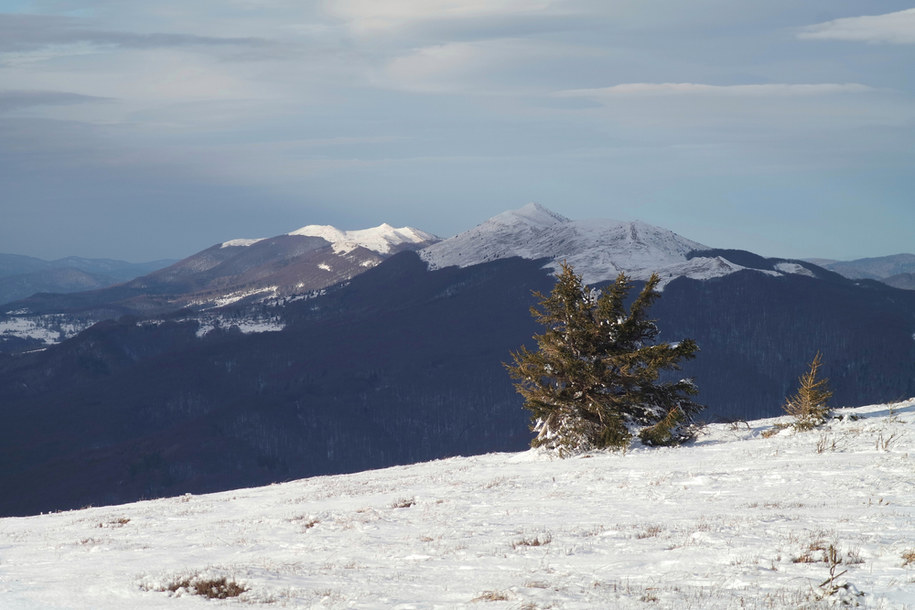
<point>734,520</point>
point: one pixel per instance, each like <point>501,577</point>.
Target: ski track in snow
<point>719,523</point>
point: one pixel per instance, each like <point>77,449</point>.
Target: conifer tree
<point>809,405</point>
<point>594,377</point>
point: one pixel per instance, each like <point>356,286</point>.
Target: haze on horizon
<point>151,130</point>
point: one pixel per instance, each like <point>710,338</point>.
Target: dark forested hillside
<point>757,333</point>
<point>399,365</point>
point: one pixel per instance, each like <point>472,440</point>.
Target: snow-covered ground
<point>48,328</point>
<point>734,520</point>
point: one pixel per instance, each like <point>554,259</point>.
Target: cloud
<point>373,15</point>
<point>25,33</point>
<point>455,66</point>
<point>892,28</point>
<point>752,113</point>
<point>14,100</point>
<point>698,89</point>
<point>499,66</point>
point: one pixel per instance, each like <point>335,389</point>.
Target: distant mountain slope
<point>597,249</point>
<point>398,366</point>
<point>897,270</point>
<point>401,363</point>
<point>23,276</point>
<point>904,281</point>
<point>305,260</point>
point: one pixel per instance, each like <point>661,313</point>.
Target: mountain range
<point>897,270</point>
<point>239,270</point>
<point>238,366</point>
<point>22,276</point>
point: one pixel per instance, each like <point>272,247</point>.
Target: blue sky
<point>143,130</point>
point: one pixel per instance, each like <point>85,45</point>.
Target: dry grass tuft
<point>210,588</point>
<point>650,531</point>
<point>492,596</point>
<point>540,540</point>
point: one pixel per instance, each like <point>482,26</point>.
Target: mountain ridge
<point>22,276</point>
<point>598,249</point>
<point>401,363</point>
<point>303,261</point>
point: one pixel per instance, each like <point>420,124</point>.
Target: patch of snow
<point>234,297</point>
<point>286,299</point>
<point>47,328</point>
<point>532,214</point>
<point>248,325</point>
<point>732,520</point>
<point>324,266</point>
<point>795,268</point>
<point>380,239</point>
<point>240,243</point>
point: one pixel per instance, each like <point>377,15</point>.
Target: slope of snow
<point>380,239</point>
<point>240,243</point>
<point>734,520</point>
<point>788,267</point>
<point>597,249</point>
<point>48,328</point>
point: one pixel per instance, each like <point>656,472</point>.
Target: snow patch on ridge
<point>240,243</point>
<point>532,214</point>
<point>247,326</point>
<point>47,328</point>
<point>794,268</point>
<point>381,239</point>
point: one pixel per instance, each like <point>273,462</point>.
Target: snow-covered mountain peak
<point>240,243</point>
<point>381,239</point>
<point>597,249</point>
<point>532,214</point>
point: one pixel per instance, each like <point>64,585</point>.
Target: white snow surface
<point>733,520</point>
<point>599,250</point>
<point>240,243</point>
<point>380,239</point>
<point>247,326</point>
<point>788,267</point>
<point>47,328</point>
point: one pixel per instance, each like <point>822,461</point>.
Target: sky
<point>147,130</point>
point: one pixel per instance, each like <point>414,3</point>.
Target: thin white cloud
<point>448,66</point>
<point>29,32</point>
<point>369,15</point>
<point>16,99</point>
<point>893,28</point>
<point>748,113</point>
<point>485,66</point>
<point>698,89</point>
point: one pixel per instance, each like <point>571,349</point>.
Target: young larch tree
<point>809,405</point>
